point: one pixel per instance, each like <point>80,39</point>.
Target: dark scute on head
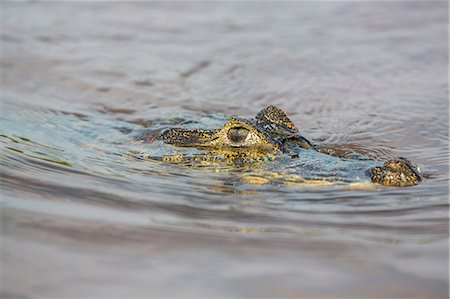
<point>238,134</point>
<point>297,141</point>
<point>277,116</point>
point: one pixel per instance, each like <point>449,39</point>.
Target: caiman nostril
<point>237,135</point>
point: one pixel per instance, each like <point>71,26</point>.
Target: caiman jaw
<point>188,138</point>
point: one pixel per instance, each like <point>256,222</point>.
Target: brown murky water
<point>82,218</point>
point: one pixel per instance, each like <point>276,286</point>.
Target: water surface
<point>87,214</point>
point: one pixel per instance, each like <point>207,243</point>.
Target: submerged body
<point>272,133</point>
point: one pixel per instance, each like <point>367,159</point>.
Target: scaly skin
<point>398,172</point>
<point>272,133</point>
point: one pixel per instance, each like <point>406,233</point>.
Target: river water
<point>86,215</point>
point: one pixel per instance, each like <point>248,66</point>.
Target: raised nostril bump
<point>237,135</point>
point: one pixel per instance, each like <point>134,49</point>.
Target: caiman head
<point>269,134</point>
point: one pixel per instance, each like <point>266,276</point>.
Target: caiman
<point>270,134</point>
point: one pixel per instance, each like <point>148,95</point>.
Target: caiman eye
<point>238,134</point>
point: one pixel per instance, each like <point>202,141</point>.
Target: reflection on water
<point>87,211</point>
